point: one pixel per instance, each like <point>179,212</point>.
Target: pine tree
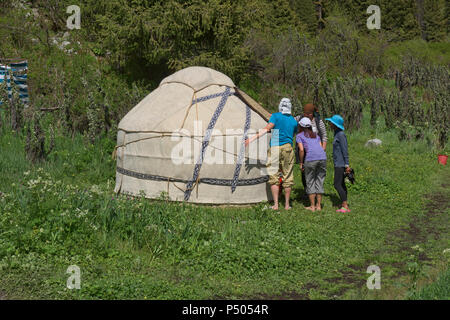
<point>282,14</point>
<point>420,17</point>
<point>435,19</point>
<point>447,16</point>
<point>320,12</point>
<point>305,10</point>
<point>357,9</point>
<point>399,17</point>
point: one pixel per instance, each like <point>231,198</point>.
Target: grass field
<point>63,212</point>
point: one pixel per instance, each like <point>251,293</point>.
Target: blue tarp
<point>17,72</point>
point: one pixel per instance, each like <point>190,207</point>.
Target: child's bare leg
<point>312,200</point>
<point>287,194</point>
<point>319,201</point>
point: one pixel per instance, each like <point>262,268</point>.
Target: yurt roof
<point>178,91</point>
<point>199,78</point>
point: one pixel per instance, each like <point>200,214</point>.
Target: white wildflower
<point>96,189</point>
<point>81,213</point>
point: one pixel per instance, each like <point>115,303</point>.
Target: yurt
<point>185,141</point>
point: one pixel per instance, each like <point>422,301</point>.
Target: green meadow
<point>63,212</point>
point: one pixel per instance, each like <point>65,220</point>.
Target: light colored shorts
<point>281,159</point>
<point>315,172</point>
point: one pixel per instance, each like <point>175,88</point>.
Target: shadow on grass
<point>300,196</point>
<point>334,199</point>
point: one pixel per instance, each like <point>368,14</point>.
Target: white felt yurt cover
<point>151,138</point>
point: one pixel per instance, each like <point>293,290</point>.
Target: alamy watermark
<point>74,21</point>
<point>74,280</point>
<point>221,148</point>
<point>374,21</point>
<point>374,281</point>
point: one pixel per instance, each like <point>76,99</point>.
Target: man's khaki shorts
<point>281,159</point>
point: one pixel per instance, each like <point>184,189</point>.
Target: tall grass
<point>63,212</point>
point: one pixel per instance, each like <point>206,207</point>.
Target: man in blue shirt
<point>281,155</point>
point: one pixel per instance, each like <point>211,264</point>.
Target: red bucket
<point>442,159</point>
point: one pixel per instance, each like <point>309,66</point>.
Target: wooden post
<point>420,19</point>
<point>319,10</point>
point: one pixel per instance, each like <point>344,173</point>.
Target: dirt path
<point>420,229</point>
<point>433,224</point>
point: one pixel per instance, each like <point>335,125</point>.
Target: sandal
<point>343,210</point>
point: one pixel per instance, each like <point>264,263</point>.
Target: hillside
<point>57,205</point>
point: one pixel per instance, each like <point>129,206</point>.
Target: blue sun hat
<point>337,121</point>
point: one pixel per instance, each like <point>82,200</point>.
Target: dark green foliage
<point>440,117</point>
<point>36,147</point>
<point>178,34</point>
<point>13,108</point>
<point>306,11</point>
<point>339,42</point>
<point>272,49</point>
<point>403,19</point>
<point>435,81</point>
<point>435,19</point>
<point>357,10</point>
<point>344,96</point>
<point>399,17</point>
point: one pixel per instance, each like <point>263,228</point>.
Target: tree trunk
<point>14,123</point>
<point>319,10</point>
<point>373,107</point>
<point>420,18</point>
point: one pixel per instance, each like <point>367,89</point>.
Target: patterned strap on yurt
<point>237,170</point>
<point>210,181</point>
<point>244,137</point>
<point>211,96</point>
<point>205,143</point>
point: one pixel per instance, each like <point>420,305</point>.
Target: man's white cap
<point>285,106</point>
<point>305,122</point>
